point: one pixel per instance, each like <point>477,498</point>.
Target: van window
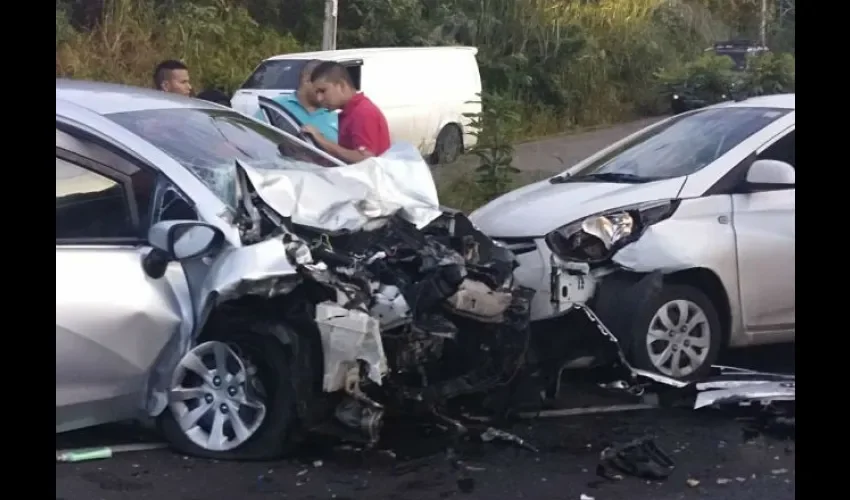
<point>354,71</point>
<point>279,74</point>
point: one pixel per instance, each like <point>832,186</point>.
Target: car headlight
<point>675,96</point>
<point>596,238</point>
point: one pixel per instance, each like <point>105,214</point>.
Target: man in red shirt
<point>363,129</point>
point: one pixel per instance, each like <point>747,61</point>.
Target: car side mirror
<point>768,175</point>
<point>179,240</point>
<point>184,239</point>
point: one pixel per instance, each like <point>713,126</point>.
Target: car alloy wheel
<point>214,398</point>
<point>679,338</point>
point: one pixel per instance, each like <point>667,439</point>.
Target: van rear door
<point>272,78</point>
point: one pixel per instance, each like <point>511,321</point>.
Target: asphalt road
<point>560,152</point>
<point>712,462</point>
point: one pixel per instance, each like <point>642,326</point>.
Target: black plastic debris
<point>640,458</point>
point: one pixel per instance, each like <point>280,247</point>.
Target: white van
<point>423,91</point>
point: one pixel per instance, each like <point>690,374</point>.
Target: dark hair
<point>163,68</point>
<point>308,68</point>
<point>333,72</point>
<point>216,96</point>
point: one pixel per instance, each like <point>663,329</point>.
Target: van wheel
<point>233,399</point>
<point>449,145</point>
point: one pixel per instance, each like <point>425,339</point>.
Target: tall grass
<point>219,41</point>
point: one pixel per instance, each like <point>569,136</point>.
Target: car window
<point>89,205</point>
<point>782,150</point>
<point>139,178</point>
<point>278,74</point>
<point>280,120</point>
<point>209,141</point>
<point>683,145</point>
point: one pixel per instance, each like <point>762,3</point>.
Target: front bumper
<point>557,284</point>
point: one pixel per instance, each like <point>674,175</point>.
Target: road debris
<point>693,483</point>
<point>586,497</point>
<point>492,434</point>
<point>104,452</point>
<point>640,458</point>
<point>590,410</point>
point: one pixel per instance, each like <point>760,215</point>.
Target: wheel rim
<point>678,339</point>
<point>215,399</point>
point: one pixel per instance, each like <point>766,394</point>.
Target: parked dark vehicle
<point>699,91</point>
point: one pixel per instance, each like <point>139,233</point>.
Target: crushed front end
<point>417,318</point>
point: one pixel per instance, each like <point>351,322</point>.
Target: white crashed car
<point>681,236</point>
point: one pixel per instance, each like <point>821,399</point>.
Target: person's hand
<point>311,131</point>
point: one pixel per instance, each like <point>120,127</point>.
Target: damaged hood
<point>539,208</point>
<point>349,197</point>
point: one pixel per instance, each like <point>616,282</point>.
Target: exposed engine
<point>438,305</point>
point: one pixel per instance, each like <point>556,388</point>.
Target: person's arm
<point>330,147</point>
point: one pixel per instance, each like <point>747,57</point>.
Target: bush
<point>771,73</point>
<point>712,77</point>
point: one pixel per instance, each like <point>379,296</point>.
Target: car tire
<point>701,350</point>
<point>449,145</point>
<point>260,351</point>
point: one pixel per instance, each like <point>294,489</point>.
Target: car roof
<point>108,98</point>
<point>343,54</point>
<point>781,101</point>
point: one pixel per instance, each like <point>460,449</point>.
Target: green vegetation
<point>566,63</point>
<point>712,77</point>
<point>547,66</point>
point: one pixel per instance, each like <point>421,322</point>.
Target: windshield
<point>208,141</point>
<point>739,58</point>
<point>682,146</point>
<point>280,74</point>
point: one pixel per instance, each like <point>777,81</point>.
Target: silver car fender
<point>261,269</point>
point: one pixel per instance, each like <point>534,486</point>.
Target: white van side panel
<point>422,92</point>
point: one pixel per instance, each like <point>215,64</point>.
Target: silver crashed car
<point>213,275</point>
<point>136,170</point>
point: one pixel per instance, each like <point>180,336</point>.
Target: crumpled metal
<point>351,196</point>
<point>349,336</point>
<point>260,269</point>
<point>739,385</point>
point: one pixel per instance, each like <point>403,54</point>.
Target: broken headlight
<point>596,238</point>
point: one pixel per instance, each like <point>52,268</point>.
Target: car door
<point>282,119</point>
<point>112,320</point>
<point>278,117</point>
<point>764,224</point>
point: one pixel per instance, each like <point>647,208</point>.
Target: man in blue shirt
<point>304,107</point>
